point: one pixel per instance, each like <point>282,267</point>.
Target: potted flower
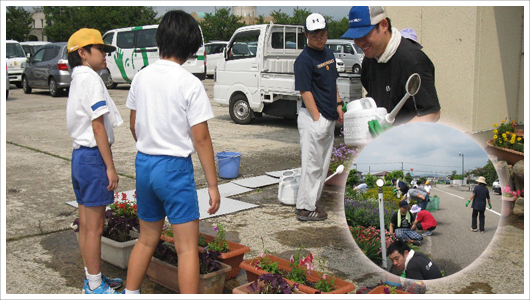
<point>340,155</point>
<point>267,284</point>
<point>120,230</point>
<point>508,200</point>
<point>231,253</point>
<point>507,142</point>
<point>298,269</point>
<point>163,269</point>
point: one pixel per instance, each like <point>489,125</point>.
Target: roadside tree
<point>18,23</point>
<point>220,26</point>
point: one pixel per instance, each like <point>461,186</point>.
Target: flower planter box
<point>507,205</point>
<point>116,253</point>
<point>509,155</point>
<point>232,258</point>
<point>243,289</point>
<point>341,286</point>
<point>167,275</point>
<point>381,290</point>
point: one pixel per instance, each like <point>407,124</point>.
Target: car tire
<point>54,90</point>
<point>356,69</point>
<point>25,85</point>
<point>240,110</point>
<point>110,84</point>
<point>18,84</point>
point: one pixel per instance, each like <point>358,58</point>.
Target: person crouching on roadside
<point>424,220</point>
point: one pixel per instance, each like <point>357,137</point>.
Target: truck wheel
<point>25,85</point>
<point>110,84</point>
<point>240,110</point>
<point>356,69</point>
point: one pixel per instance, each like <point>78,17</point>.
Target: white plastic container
<point>359,112</point>
<point>288,187</point>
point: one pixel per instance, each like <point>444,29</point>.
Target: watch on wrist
<point>341,103</point>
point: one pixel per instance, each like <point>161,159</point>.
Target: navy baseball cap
<point>363,19</point>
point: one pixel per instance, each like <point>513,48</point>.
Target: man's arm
<point>310,104</point>
<point>339,108</point>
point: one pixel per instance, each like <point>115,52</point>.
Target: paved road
<point>453,245</point>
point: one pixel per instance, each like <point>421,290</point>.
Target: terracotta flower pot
<point>381,290</point>
<point>341,286</point>
<point>232,258</point>
<point>243,289</point>
<point>509,155</point>
<point>167,275</point>
<point>507,205</point>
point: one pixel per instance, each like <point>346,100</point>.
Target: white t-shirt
<point>168,101</point>
<point>87,101</point>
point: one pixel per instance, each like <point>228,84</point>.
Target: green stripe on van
<point>200,57</point>
<point>144,57</point>
<point>137,28</point>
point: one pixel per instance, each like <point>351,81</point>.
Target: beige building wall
<point>479,60</point>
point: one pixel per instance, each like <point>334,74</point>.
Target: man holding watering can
<point>389,61</point>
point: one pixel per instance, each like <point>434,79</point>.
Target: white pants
<point>316,141</point>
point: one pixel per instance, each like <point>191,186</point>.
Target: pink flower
<point>262,255</point>
<point>323,276</point>
<point>216,229</point>
<point>291,259</point>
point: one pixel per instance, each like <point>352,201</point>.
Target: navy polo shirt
<point>315,71</point>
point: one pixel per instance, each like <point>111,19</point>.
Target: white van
<point>214,52</point>
<point>31,47</point>
<point>16,61</point>
<point>348,52</point>
<point>136,48</point>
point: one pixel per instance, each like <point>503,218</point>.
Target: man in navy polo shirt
<point>316,78</point>
<point>389,60</point>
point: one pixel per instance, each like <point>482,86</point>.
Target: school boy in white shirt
<point>169,113</point>
<point>90,117</point>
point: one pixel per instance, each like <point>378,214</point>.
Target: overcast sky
<point>424,147</point>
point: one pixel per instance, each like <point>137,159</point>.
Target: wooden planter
<point>341,286</point>
<point>232,258</point>
<point>381,290</point>
<point>243,289</point>
<point>167,275</point>
<point>509,155</point>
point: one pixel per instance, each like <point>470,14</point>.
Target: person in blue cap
<point>389,60</point>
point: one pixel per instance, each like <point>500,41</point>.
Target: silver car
<point>48,69</point>
<point>350,53</point>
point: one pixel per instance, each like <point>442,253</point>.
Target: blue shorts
<point>165,186</point>
<point>89,178</point>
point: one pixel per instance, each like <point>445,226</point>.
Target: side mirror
<point>28,55</point>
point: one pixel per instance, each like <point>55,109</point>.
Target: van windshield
<point>359,50</point>
<point>14,50</point>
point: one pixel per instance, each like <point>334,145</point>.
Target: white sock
<point>86,272</point>
<point>132,292</point>
<point>94,281</point>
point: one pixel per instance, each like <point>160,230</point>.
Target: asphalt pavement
<point>41,255</point>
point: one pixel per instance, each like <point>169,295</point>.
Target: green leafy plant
<point>263,262</point>
<point>271,284</point>
<point>504,136</point>
<point>219,244</point>
<point>297,274</point>
<point>325,283</point>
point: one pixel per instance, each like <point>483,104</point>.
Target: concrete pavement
<point>41,251</point>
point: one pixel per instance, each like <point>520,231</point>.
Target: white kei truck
<point>256,74</point>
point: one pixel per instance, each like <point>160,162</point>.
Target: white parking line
<point>465,198</point>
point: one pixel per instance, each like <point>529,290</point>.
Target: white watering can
<point>359,112</point>
<point>288,186</point>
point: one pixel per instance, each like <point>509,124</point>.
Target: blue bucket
<point>228,163</point>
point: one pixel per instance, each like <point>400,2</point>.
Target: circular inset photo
<point>421,205</point>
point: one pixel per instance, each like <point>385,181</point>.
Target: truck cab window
<point>243,45</point>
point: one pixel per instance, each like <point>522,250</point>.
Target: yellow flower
<point>512,142</point>
<point>518,139</point>
<point>495,136</point>
<point>502,121</point>
<point>495,124</point>
<point>504,135</point>
<point>495,131</point>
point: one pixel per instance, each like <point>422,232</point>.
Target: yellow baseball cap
<point>87,36</point>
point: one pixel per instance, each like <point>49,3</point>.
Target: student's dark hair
<point>178,35</point>
<point>389,25</point>
<point>404,189</point>
<point>398,246</point>
<point>75,60</point>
